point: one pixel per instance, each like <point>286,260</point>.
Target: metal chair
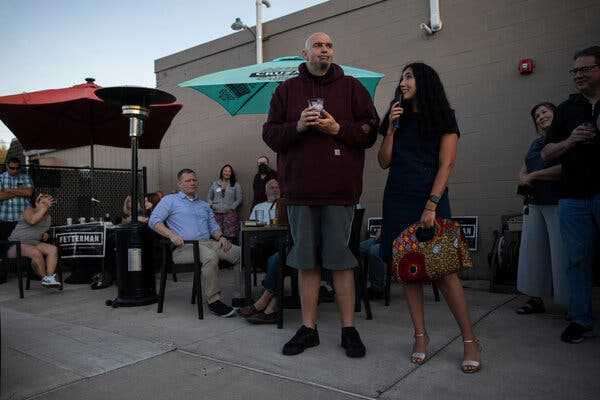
<point>167,260</point>
<point>503,258</point>
<point>361,271</point>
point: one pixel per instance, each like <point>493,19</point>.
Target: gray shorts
<point>321,235</point>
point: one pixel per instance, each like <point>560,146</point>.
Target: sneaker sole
<point>574,341</point>
<point>359,354</point>
<point>51,285</point>
<point>228,315</point>
<point>587,334</point>
<point>291,353</point>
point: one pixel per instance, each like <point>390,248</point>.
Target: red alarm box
<point>526,66</point>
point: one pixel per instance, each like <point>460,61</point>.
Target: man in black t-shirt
<point>575,140</point>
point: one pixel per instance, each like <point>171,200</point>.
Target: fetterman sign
<point>82,240</point>
<point>470,229</point>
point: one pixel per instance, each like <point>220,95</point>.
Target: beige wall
<point>476,54</point>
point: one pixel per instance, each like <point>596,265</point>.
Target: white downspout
<point>435,21</point>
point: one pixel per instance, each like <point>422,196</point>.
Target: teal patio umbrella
<point>248,90</point>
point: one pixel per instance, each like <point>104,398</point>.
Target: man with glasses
<point>574,140</point>
<point>15,191</point>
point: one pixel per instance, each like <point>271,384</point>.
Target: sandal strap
<point>476,341</point>
<point>471,363</point>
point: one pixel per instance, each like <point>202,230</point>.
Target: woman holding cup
<point>31,231</point>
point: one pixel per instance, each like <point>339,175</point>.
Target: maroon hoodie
<point>316,168</point>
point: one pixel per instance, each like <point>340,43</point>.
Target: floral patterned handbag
<point>421,256</point>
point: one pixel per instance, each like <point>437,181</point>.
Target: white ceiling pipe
<point>435,22</point>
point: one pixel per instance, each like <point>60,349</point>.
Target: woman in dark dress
<point>419,147</point>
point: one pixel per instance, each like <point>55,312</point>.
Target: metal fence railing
<point>83,192</point>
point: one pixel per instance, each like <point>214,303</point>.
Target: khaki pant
<point>210,254</point>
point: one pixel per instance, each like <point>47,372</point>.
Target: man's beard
<point>590,88</point>
<point>323,66</point>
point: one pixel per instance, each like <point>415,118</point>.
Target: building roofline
<point>286,23</point>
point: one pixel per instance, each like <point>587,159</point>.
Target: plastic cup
<point>317,103</point>
<point>260,216</point>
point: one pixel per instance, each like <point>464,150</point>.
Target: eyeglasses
<point>13,168</point>
<point>584,70</point>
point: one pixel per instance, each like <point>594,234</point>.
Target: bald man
<point>320,124</point>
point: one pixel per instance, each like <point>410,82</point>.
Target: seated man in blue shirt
<point>183,216</point>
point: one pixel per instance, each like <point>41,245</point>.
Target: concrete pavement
<point>69,345</point>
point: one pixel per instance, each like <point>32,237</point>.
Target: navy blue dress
<point>415,162</point>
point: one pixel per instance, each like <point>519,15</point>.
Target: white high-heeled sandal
<point>472,366</point>
<point>418,357</point>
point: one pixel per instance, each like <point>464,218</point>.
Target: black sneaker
<point>534,305</point>
<point>221,309</point>
<point>302,340</point>
<point>352,343</point>
<point>574,333</point>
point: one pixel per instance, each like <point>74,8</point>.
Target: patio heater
<point>135,275</point>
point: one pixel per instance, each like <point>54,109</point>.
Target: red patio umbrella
<point>75,116</point>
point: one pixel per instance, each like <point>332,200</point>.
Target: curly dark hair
<point>433,108</point>
<point>232,179</point>
<point>154,199</point>
<point>546,104</point>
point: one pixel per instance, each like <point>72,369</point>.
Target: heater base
<point>125,302</point>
